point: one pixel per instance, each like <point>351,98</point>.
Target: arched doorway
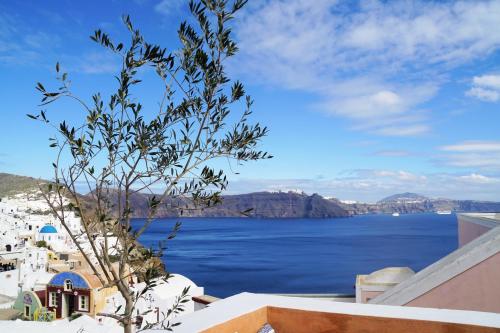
<point>8,247</point>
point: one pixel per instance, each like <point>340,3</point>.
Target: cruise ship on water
<point>443,212</point>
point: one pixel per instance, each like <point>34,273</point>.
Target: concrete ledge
<point>204,299</point>
<point>245,303</point>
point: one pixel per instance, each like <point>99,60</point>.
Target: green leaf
<point>246,212</point>
<point>40,87</point>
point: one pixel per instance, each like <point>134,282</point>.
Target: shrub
<point>41,243</point>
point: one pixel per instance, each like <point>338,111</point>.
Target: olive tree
<point>120,148</point>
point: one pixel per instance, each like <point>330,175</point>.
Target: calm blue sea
<point>231,255</point>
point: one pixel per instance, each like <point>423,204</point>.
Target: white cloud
<point>21,45</point>
<point>473,160</point>
<point>474,146</point>
<point>412,130</point>
<point>369,185</point>
<point>479,179</point>
<point>487,95</point>
<point>96,63</point>
<point>382,108</point>
<point>40,40</point>
<point>168,7</point>
<point>472,154</point>
<point>428,32</point>
<point>372,100</point>
<point>485,87</point>
<point>381,61</point>
<point>392,153</point>
<point>399,175</point>
<point>14,49</point>
<point>488,81</point>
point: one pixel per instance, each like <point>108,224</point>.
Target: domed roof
<point>48,229</point>
<point>174,286</point>
<point>390,275</point>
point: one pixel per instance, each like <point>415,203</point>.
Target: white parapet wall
<point>235,306</point>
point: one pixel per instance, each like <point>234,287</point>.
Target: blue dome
<point>48,229</point>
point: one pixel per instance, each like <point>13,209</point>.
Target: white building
<point>371,285</point>
<point>159,300</point>
<point>50,235</point>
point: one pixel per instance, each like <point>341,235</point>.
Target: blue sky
<point>363,100</point>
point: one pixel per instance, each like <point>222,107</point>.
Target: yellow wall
<point>98,299</point>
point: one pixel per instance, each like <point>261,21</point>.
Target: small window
<point>83,303</point>
<point>53,299</point>
<point>68,285</point>
<point>27,311</point>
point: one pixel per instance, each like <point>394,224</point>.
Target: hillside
<point>278,205</point>
<point>12,184</point>
<point>263,205</point>
<point>404,198</point>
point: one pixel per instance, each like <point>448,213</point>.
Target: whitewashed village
<point>46,283</point>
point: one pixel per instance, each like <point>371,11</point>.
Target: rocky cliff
<point>259,204</point>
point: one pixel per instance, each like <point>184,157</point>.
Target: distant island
<point>405,203</point>
<point>283,204</point>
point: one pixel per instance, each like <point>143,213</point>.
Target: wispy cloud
<point>379,107</point>
<point>41,40</point>
<point>95,63</point>
<point>375,63</point>
<point>20,45</point>
<point>474,146</point>
<point>479,179</point>
<point>169,7</point>
<point>485,87</point>
<point>392,153</point>
<point>472,154</point>
<point>370,185</point>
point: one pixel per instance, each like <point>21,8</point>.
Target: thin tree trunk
<point>129,308</point>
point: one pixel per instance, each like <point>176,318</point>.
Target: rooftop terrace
<point>247,313</point>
